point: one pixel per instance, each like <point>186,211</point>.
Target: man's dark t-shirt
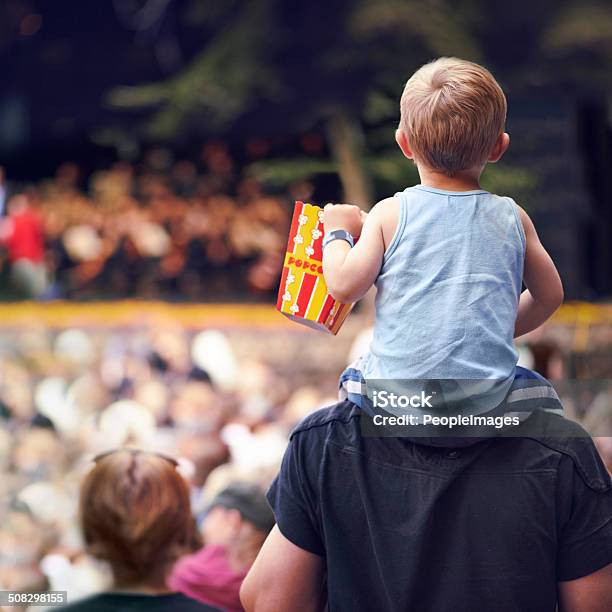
<point>407,526</point>
<point>137,602</point>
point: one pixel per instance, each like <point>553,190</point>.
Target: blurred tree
<point>344,64</point>
<point>232,72</point>
<point>314,57</point>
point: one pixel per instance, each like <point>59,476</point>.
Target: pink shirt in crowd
<point>207,576</point>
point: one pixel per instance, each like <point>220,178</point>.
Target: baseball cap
<point>250,501</point>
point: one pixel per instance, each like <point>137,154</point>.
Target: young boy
<point>447,257</point>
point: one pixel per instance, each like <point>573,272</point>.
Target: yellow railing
<point>127,312</point>
<point>580,315</point>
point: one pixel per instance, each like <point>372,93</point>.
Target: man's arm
<point>283,577</point>
<point>350,272</point>
<point>544,292</point>
<point>592,593</point>
<point>584,547</point>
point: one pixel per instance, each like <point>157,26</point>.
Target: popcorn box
<point>303,295</point>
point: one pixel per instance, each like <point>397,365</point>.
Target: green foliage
<point>441,27</point>
<point>219,85</point>
<point>584,26</point>
<point>282,172</point>
<point>248,60</point>
<point>579,38</point>
<point>520,183</point>
<point>242,63</point>
<point>379,106</point>
<point>391,171</point>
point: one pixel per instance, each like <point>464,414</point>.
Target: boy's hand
<point>349,273</point>
<point>343,216</point>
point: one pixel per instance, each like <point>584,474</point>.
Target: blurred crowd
<point>67,395</point>
<point>159,227</point>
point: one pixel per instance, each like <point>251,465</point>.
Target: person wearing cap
<point>234,528</point>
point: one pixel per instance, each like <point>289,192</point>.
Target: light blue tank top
<point>448,289</point>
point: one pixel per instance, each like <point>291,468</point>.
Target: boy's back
<point>451,272</point>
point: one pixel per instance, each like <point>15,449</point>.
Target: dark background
<point>99,81</point>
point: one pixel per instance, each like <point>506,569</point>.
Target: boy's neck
<point>467,180</point>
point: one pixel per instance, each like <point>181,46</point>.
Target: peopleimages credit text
<point>457,420</point>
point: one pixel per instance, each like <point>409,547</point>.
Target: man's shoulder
<point>554,435</point>
<point>568,438</point>
<point>344,415</point>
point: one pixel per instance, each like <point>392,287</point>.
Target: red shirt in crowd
<point>25,238</point>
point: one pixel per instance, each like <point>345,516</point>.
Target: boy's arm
<point>350,272</point>
<point>544,292</point>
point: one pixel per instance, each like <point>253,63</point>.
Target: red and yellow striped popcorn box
<point>302,295</point>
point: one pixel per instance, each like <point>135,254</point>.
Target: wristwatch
<point>338,235</point>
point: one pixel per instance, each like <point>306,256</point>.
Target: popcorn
<point>302,295</point>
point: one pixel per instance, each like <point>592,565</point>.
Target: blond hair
<point>452,112</point>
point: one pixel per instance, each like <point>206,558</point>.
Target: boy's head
<point>453,114</point>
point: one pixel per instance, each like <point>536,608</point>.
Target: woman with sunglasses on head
<point>136,515</point>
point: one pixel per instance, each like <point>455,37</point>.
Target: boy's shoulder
<point>386,205</point>
<point>387,202</point>
<point>385,214</point>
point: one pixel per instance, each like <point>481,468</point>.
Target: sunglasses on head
<point>136,451</point>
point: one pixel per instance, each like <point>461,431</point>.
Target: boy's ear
<point>501,146</point>
<point>404,145</point>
